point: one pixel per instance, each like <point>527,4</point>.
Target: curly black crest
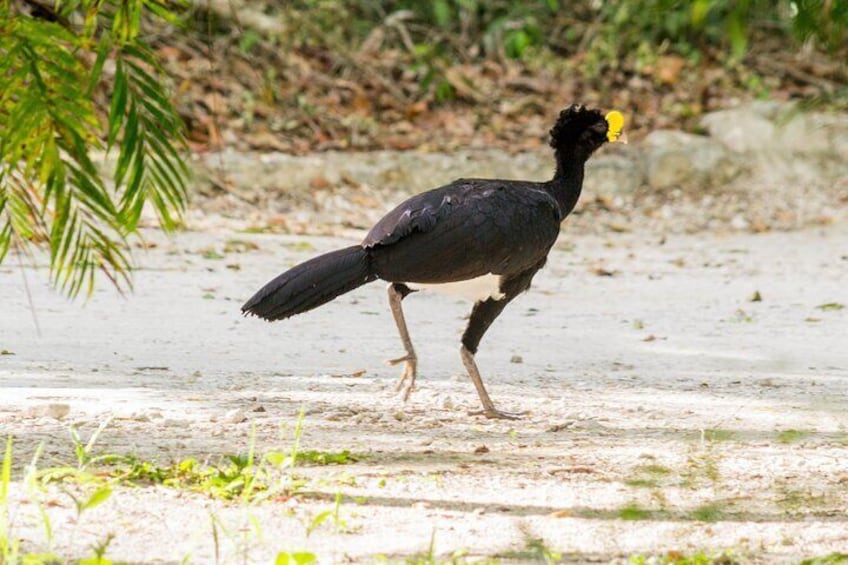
<point>572,124</point>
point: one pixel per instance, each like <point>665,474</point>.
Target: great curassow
<point>484,233</point>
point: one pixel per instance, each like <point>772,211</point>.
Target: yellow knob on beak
<point>615,123</point>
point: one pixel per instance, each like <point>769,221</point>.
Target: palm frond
<point>50,189</point>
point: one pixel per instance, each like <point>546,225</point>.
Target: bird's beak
<point>622,138</point>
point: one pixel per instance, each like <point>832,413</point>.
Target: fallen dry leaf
<point>602,272</point>
<point>319,182</point>
<point>668,68</point>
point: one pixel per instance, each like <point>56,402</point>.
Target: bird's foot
<point>406,384</point>
<point>495,414</point>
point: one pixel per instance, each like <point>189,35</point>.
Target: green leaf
<point>98,497</point>
<point>98,560</point>
<point>441,13</point>
<point>128,145</point>
<point>6,472</point>
<point>276,458</point>
<point>317,520</point>
<point>698,12</point>
<point>163,11</point>
<point>296,558</point>
<point>737,35</point>
<point>118,105</point>
<point>303,558</point>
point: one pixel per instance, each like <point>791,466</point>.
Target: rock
<point>54,410</point>
<point>561,426</point>
<point>339,415</point>
<point>738,222</point>
<point>739,131</point>
<point>235,416</point>
<point>837,132</point>
<point>676,158</point>
<point>362,419</point>
<point>715,165</point>
<point>803,134</point>
<point>612,174</point>
<point>516,359</point>
<point>669,168</point>
<point>57,410</point>
<point>743,129</point>
<point>782,143</point>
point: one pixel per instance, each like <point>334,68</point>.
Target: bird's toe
<point>495,414</point>
<point>406,383</point>
<point>404,359</point>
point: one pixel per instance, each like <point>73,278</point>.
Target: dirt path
<point>660,393</point>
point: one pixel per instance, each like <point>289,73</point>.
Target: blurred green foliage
<point>600,35</point>
<point>510,28</point>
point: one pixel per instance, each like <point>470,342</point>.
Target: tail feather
<point>311,284</point>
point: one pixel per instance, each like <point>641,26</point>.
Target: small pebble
<point>235,416</point>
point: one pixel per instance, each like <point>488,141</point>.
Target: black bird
<point>472,230</point>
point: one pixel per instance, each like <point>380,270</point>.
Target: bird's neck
<point>568,181</point>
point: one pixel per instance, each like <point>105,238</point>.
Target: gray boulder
<point>675,158</point>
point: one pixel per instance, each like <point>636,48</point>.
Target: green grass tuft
<point>678,558</point>
<point>633,511</point>
<point>711,512</point>
<point>792,436</point>
<point>315,457</point>
<point>832,559</point>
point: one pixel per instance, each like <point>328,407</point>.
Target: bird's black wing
<point>416,214</point>
<point>463,230</point>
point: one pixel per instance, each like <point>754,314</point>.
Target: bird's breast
<point>476,289</point>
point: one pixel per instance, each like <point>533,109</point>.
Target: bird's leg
<point>489,409</point>
<point>482,316</point>
<point>397,292</point>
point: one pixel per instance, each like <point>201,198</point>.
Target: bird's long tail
<point>311,284</point>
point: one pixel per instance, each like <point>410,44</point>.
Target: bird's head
<point>581,131</point>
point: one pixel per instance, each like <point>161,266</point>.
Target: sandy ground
<point>661,387</point>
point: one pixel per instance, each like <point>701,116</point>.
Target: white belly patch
<point>478,289</point>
